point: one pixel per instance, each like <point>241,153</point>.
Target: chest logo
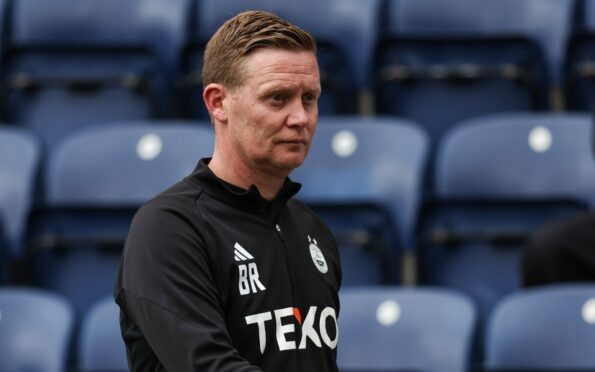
<point>317,256</point>
<point>249,279</point>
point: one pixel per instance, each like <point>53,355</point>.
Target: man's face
<point>272,115</point>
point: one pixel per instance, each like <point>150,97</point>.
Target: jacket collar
<point>203,177</point>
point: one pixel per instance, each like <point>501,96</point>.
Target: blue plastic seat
<point>75,64</point>
<point>95,181</point>
<point>35,330</point>
<point>548,328</point>
<point>4,21</point>
<point>363,176</point>
<point>579,67</point>
<point>498,178</point>
<point>345,31</point>
<point>405,329</point>
<point>19,160</point>
<point>101,347</point>
<point>440,62</point>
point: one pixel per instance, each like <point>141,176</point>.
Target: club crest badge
<point>317,256</point>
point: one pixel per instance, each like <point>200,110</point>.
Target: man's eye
<point>278,97</point>
<point>309,98</point>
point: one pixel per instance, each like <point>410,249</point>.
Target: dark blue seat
<point>548,328</point>
<point>95,181</point>
<point>345,31</point>
<point>363,176</point>
<point>4,22</point>
<point>19,160</point>
<point>498,178</point>
<point>101,347</point>
<point>579,67</point>
<point>35,330</point>
<point>440,62</point>
<point>405,329</point>
<point>75,64</point>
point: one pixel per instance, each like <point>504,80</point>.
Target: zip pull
<point>278,228</point>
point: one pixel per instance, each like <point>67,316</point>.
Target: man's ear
<point>213,96</point>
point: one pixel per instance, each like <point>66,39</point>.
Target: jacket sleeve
<point>170,294</point>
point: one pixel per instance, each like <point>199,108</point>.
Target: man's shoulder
<point>306,213</point>
<point>298,206</point>
<point>177,200</point>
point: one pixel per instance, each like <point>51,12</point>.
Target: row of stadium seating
<point>380,329</point>
<point>66,64</point>
<point>497,178</point>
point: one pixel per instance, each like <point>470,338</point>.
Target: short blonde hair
<point>241,36</point>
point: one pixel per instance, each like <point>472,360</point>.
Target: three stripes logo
<point>240,254</point>
<point>249,279</point>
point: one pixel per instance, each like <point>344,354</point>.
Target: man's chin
<point>288,165</point>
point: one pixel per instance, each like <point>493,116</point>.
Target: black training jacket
<point>216,278</point>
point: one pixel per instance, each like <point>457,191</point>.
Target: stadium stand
<point>95,181</point>
<point>35,330</point>
<point>75,64</point>
<point>345,31</point>
<point>439,62</point>
<point>101,347</point>
<point>405,329</point>
<point>497,179</point>
<point>549,328</point>
<point>363,176</point>
<point>19,161</point>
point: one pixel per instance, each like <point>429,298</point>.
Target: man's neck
<point>238,174</point>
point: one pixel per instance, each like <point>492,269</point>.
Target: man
<point>225,271</point>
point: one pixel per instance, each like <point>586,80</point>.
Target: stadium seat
<point>35,330</point>
<point>442,62</point>
<point>498,178</point>
<point>345,31</point>
<point>19,158</point>
<point>4,20</point>
<point>101,347</point>
<point>363,176</point>
<point>76,64</point>
<point>579,67</point>
<point>95,181</point>
<point>543,329</point>
<point>404,329</point>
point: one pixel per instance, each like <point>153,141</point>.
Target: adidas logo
<point>248,277</point>
<point>241,254</point>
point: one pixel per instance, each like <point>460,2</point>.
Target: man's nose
<point>298,115</point>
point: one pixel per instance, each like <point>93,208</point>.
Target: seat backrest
<point>124,164</point>
<point>544,328</point>
<point>580,56</point>
<point>101,347</point>
<point>518,156</point>
<point>19,158</point>
<point>379,160</point>
<point>546,22</point>
<point>159,25</point>
<point>497,179</point>
<point>79,64</point>
<point>404,329</point>
<point>35,330</point>
<point>586,23</point>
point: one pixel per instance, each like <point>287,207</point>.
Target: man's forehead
<point>273,63</point>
